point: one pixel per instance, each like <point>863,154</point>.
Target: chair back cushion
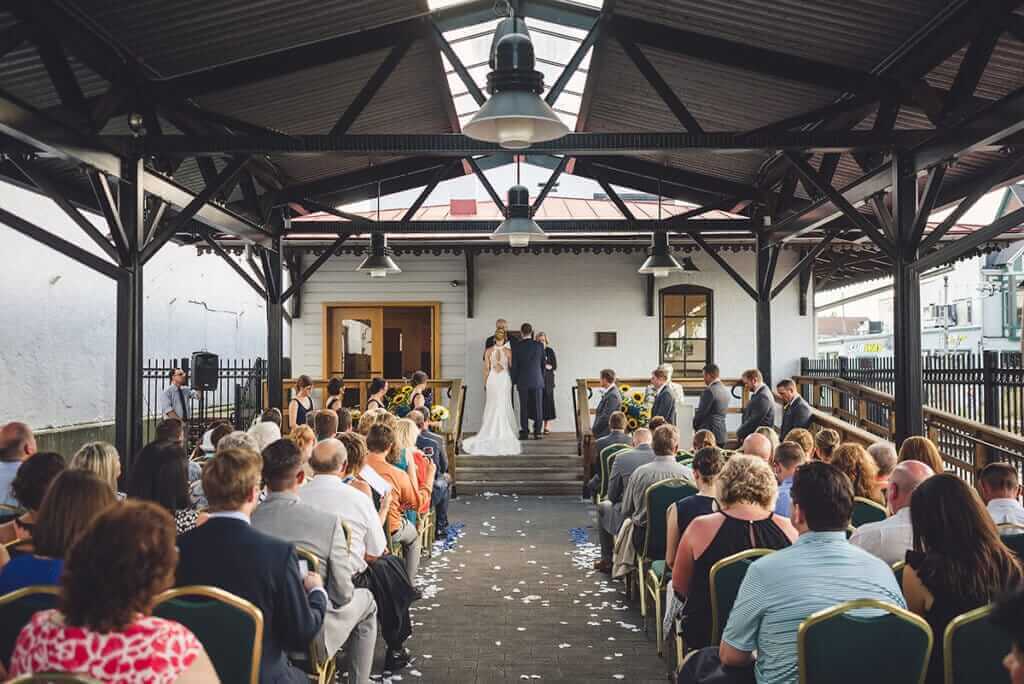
<point>16,608</point>
<point>866,511</point>
<point>864,641</point>
<point>660,496</point>
<point>229,628</point>
<point>1015,542</point>
<point>725,579</point>
<point>973,649</point>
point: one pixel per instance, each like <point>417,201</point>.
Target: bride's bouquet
<point>636,406</point>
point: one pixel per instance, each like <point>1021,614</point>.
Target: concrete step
<point>528,461</point>
<point>538,487</point>
<point>517,474</point>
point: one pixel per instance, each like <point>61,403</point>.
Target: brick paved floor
<point>515,600</point>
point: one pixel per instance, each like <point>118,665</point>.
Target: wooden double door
<point>390,340</point>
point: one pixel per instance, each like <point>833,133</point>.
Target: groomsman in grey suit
<point>760,408</point>
<point>664,400</point>
<point>714,400</point>
<point>609,404</point>
<point>796,413</point>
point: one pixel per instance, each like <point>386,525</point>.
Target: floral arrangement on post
<point>440,413</point>
<point>636,407</point>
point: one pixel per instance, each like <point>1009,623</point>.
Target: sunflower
<point>440,413</point>
<point>633,424</point>
<point>624,389</point>
<point>407,390</point>
<point>638,396</point>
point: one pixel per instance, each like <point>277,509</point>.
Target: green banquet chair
<point>973,649</point>
<point>16,609</point>
<point>725,579</point>
<point>867,511</point>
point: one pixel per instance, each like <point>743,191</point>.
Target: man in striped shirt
<point>781,590</point>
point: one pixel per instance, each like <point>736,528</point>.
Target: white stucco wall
<point>568,296</point>
<point>58,333</point>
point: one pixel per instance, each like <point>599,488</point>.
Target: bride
<point>498,434</point>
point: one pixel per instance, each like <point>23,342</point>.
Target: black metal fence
<point>238,397</point>
<point>986,388</point>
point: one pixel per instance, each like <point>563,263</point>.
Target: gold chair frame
<point>26,591</point>
<point>858,604</point>
<point>1010,526</point>
<point>716,628</point>
<point>324,671</point>
<point>947,636</point>
<point>232,600</point>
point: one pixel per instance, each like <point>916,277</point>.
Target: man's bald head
<point>17,442</point>
<point>905,478</point>
<point>642,436</point>
<point>329,457</point>
<point>757,445</point>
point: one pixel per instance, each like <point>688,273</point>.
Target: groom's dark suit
<point>528,375</point>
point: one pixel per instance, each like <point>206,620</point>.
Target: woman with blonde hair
<point>824,442</point>
<point>856,462</point>
<point>100,459</point>
<point>498,434</point>
<point>746,492</point>
<point>304,438</point>
<point>406,432</point>
<point>924,450</point>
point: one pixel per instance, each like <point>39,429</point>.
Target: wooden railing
<point>966,445</point>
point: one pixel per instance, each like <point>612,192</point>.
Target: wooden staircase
<point>548,466</point>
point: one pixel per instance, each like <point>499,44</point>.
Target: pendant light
<point>378,262</point>
<point>660,262</point>
<point>514,116</point>
<point>518,228</point>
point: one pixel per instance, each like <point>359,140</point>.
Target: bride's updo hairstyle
<point>500,335</point>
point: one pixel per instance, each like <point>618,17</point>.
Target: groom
<point>528,375</point>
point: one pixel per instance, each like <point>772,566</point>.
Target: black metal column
<point>275,325</point>
<point>909,418</point>
<point>128,399</point>
<point>764,307</point>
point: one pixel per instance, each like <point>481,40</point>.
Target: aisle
<point>516,600</point>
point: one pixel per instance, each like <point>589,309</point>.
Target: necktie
<point>184,406</point>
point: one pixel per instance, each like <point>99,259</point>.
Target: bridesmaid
<point>550,365</point>
<point>302,403</point>
<point>378,390</point>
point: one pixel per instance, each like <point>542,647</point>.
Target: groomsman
<point>664,400</point>
<point>760,408</point>
<point>610,403</point>
<point>796,413</point>
<point>714,400</point>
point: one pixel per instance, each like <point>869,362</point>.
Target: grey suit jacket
<point>796,415</point>
<point>612,438</point>
<point>627,461</point>
<point>710,413</point>
<point>665,405</point>
<point>609,404</point>
<point>760,410</point>
<point>284,516</point>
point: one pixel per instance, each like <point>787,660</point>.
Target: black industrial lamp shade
<point>660,262</point>
<point>519,228</point>
<point>378,262</point>
<point>515,116</point>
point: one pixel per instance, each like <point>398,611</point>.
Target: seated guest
<point>29,486</point>
<point>611,401</point>
<point>383,575</point>
<point>105,629</point>
<point>890,539</point>
<point>102,460</point>
<point>616,432</point>
<point>159,476</point>
<point>404,494</point>
<point>824,442</point>
<point>782,589</point>
<point>999,489</point>
<point>207,448</point>
<point>760,408</point>
<point>634,505</point>
<point>788,457</point>
<point>228,553</point>
<point>170,430</point>
<point>305,438</point>
<point>344,420</point>
<point>958,562</point>
<point>265,433</point>
<point>351,617</point>
<point>746,494</point>
<point>664,398</point>
<point>72,501</point>
<point>853,459</point>
<point>609,511</point>
<point>924,450</point>
<point>802,437</point>
<point>272,415</point>
<point>325,424</point>
<point>433,446</point>
<point>757,444</point>
<point>17,443</point>
<point>884,455</point>
<point>655,423</point>
<point>771,435</point>
<point>707,464</point>
<point>796,413</point>
<point>355,448</point>
<point>233,440</point>
<point>367,421</point>
<point>426,469</point>
<point>703,439</point>
<point>1008,616</point>
<point>334,390</point>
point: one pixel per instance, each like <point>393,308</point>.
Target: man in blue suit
<point>528,375</point>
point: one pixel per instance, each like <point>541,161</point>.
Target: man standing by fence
<point>174,400</point>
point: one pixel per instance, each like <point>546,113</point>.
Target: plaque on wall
<point>606,339</point>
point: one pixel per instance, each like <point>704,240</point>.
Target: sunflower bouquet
<point>636,407</point>
<point>439,413</point>
<point>400,401</point>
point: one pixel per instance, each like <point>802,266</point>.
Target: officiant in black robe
<point>550,366</point>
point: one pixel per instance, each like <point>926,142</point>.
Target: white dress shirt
<point>1006,511</point>
<point>330,494</point>
<point>889,539</point>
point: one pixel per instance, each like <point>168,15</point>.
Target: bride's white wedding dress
<point>498,434</point>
